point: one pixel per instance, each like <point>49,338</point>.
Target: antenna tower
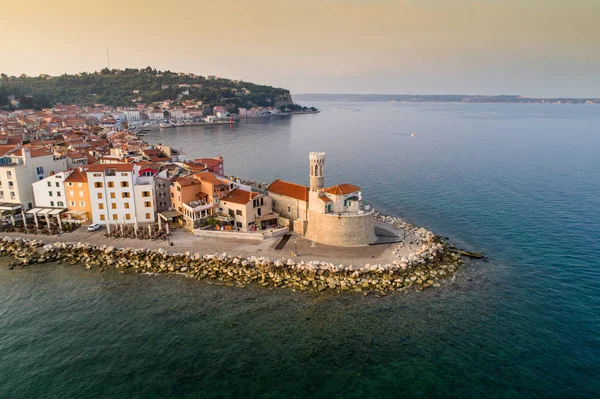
<point>108,58</point>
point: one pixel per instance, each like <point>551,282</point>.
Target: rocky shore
<point>429,266</point>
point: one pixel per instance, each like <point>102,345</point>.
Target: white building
<point>119,195</point>
<point>50,192</point>
<point>20,167</point>
<point>132,115</point>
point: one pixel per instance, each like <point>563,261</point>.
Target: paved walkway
<point>185,241</point>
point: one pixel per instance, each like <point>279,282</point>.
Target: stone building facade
<point>333,216</point>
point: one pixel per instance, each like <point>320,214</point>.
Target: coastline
<point>429,266</point>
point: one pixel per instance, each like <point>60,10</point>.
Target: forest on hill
<point>128,87</point>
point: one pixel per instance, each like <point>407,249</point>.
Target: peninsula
<point>132,87</point>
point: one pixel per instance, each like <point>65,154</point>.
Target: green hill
<point>133,86</point>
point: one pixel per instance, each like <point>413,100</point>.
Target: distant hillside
<point>439,98</point>
<point>130,86</point>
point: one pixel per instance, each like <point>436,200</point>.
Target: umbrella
<point>24,219</point>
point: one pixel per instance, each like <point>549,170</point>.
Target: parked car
<point>94,227</point>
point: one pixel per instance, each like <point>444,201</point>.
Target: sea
<point>517,182</point>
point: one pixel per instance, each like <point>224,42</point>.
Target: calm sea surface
<point>520,183</point>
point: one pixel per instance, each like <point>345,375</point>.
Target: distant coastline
<point>441,98</point>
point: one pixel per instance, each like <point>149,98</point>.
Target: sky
<point>538,48</point>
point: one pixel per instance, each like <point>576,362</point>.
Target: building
<point>118,194</point>
<point>335,215</point>
<point>50,192</point>
<point>249,210</point>
<point>132,115</point>
<point>78,195</point>
<point>20,167</point>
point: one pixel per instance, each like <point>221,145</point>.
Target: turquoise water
<point>518,182</point>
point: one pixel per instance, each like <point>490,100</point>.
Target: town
<point>68,166</point>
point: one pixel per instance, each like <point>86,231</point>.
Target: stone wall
<point>343,231</point>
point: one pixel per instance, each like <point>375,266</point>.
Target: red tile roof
<point>238,196</point>
<point>76,177</point>
<point>288,189</point>
<point>342,189</point>
<point>186,181</point>
<point>210,178</point>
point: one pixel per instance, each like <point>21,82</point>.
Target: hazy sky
<point>528,47</point>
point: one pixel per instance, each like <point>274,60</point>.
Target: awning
<point>7,206</point>
<point>76,213</point>
<point>270,216</point>
<point>34,211</point>
<point>169,215</point>
<point>56,211</point>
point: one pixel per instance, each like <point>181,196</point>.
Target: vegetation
<point>130,86</point>
<point>296,108</point>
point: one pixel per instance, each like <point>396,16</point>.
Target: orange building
<point>78,195</point>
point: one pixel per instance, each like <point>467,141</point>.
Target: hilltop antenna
<point>108,58</point>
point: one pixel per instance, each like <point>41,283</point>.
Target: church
<point>333,215</point>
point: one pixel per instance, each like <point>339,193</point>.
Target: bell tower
<point>317,174</point>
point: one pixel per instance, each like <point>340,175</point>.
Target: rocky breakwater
<point>429,266</point>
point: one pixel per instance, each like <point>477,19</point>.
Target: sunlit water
<point>517,182</point>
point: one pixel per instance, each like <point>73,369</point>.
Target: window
<point>98,184</point>
<point>58,193</point>
<point>39,170</point>
<point>289,209</point>
<point>1,194</point>
<point>238,224</point>
<point>81,193</point>
<point>97,175</point>
<point>178,189</point>
<point>81,203</point>
<point>9,174</point>
<point>124,184</point>
<point>78,184</point>
<point>127,205</point>
<point>49,193</point>
<point>113,205</point>
<point>231,213</point>
<point>100,206</point>
<point>172,195</point>
<point>124,174</point>
<point>147,216</point>
<point>101,217</point>
<point>71,203</point>
<point>112,195</point>
<point>57,184</point>
<point>273,204</point>
<point>70,184</point>
<point>127,216</point>
<point>238,212</point>
<point>51,203</point>
<point>111,184</point>
<point>115,217</point>
<point>145,193</point>
<point>99,195</point>
<point>60,203</point>
<point>49,184</point>
<point>10,184</point>
<point>125,195</point>
<point>71,193</point>
<point>147,204</point>
<point>12,195</point>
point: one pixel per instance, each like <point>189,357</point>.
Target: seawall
<point>427,267</point>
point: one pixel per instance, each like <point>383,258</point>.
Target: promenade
<point>183,241</point>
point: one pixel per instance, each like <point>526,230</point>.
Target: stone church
<point>334,215</point>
